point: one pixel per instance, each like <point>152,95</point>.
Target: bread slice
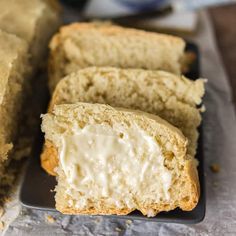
<point>114,161</point>
<point>172,97</point>
<point>33,20</point>
<point>82,45</point>
<point>14,73</point>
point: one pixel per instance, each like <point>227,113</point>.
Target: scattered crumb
<point>202,108</point>
<point>215,184</point>
<point>118,229</point>
<point>1,211</point>
<point>128,222</point>
<point>1,225</point>
<point>97,220</point>
<point>49,219</point>
<point>215,168</point>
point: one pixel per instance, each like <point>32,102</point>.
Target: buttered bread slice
<point>114,161</point>
<point>173,98</point>
<point>81,45</point>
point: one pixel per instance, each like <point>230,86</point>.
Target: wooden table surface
<point>224,22</point>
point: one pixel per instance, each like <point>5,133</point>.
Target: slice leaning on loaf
<point>81,45</point>
<point>32,20</point>
<point>114,161</point>
<point>173,98</point>
<point>14,74</point>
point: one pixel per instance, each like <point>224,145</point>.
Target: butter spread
<point>113,163</point>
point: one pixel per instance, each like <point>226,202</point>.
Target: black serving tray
<point>36,191</point>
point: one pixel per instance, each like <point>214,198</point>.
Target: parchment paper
<point>219,146</point>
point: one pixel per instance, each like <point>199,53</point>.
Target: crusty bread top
<point>110,29</point>
<point>11,49</point>
<point>82,45</point>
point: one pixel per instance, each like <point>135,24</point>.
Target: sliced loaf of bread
<point>14,73</point>
<point>81,45</point>
<point>115,161</point>
<point>32,20</point>
<point>173,98</point>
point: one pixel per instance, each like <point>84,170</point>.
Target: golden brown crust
<point>49,158</point>
<point>108,29</point>
<point>193,186</point>
<point>93,211</point>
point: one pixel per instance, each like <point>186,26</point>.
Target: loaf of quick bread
<point>26,27</point>
<point>115,161</point>
<point>81,45</point>
<point>14,73</point>
<point>174,98</point>
<point>33,20</point>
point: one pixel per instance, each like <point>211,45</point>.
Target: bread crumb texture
<point>49,219</point>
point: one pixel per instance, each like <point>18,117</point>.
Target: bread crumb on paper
<point>118,229</point>
<point>97,220</point>
<point>128,222</point>
<point>49,219</point>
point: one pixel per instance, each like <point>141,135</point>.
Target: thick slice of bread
<point>82,45</point>
<point>114,161</point>
<point>14,73</point>
<point>33,20</point>
<point>174,98</point>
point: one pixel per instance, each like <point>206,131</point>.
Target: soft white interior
<point>117,165</point>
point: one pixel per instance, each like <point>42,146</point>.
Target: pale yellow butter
<point>110,162</point>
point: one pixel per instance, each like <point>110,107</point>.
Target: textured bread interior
<point>32,20</point>
<point>173,98</point>
<point>184,187</point>
<point>82,45</point>
<point>14,74</point>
